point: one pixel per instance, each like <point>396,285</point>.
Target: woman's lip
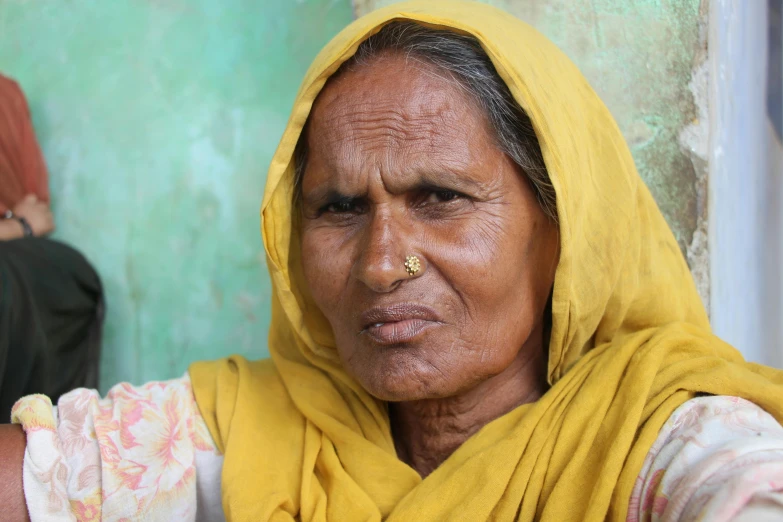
<point>397,323</point>
<point>396,313</point>
<point>397,332</point>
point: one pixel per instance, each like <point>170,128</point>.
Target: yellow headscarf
<point>630,340</point>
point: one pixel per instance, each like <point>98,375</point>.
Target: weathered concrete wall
<point>158,120</point>
<point>645,58</point>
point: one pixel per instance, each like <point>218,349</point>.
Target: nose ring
<point>412,265</point>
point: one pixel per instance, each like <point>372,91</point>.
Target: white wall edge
<point>738,169</point>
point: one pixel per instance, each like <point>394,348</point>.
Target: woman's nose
<point>381,261</point>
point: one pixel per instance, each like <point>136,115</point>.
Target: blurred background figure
<point>51,301</point>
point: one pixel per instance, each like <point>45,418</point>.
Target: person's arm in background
<point>10,229</point>
<point>38,215</point>
<point>12,446</point>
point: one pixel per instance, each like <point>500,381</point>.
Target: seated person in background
<point>51,300</point>
<point>478,313</point>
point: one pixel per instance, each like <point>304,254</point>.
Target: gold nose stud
<point>412,265</point>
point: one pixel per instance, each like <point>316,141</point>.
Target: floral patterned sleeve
<point>140,453</point>
<point>145,453</point>
<point>716,458</point>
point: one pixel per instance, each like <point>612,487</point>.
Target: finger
<point>31,198</point>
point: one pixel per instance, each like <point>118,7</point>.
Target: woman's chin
<point>400,394</point>
<point>406,382</point>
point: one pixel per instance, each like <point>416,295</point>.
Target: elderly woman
<point>479,314</point>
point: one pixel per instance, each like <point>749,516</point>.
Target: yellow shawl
<point>630,339</point>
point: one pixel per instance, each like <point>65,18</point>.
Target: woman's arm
<point>717,458</point>
<point>12,445</point>
<point>141,452</point>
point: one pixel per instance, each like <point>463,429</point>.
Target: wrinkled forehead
<point>393,104</point>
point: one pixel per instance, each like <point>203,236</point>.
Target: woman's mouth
<point>398,331</point>
<point>398,323</point>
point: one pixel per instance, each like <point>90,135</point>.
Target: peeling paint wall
<point>646,59</point>
<point>158,119</point>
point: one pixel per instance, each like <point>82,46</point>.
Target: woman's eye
<point>441,196</point>
<point>341,207</point>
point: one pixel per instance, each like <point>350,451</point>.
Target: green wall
<point>158,120</point>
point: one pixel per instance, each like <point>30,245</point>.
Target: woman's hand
<point>12,445</point>
<point>37,213</point>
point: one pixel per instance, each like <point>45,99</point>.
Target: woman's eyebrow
<point>448,179</point>
<point>430,179</point>
<point>324,193</point>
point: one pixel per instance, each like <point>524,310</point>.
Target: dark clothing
<point>51,317</point>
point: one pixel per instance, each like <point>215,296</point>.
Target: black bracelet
<point>26,228</point>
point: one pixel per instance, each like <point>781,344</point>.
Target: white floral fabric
<point>144,453</point>
<point>716,459</point>
<point>130,456</point>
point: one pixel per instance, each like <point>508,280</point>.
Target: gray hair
<point>469,68</point>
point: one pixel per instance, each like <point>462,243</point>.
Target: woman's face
<point>401,162</point>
